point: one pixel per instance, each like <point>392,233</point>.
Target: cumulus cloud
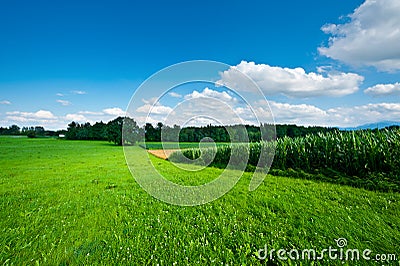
<point>195,107</point>
<point>154,109</point>
<point>64,102</point>
<point>363,114</point>
<point>174,94</point>
<point>370,38</point>
<point>384,89</point>
<point>203,111</point>
<point>90,113</point>
<point>60,94</point>
<point>296,113</point>
<point>285,113</point>
<point>223,96</point>
<point>39,116</point>
<point>304,114</point>
<point>114,111</point>
<point>95,116</point>
<point>44,114</point>
<point>5,102</point>
<point>76,118</point>
<point>292,82</point>
<point>78,92</point>
<point>150,101</point>
<point>51,121</point>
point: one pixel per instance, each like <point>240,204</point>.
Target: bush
<point>31,134</point>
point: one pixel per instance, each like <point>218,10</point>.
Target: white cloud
<point>303,114</point>
<point>195,114</point>
<point>93,117</point>
<point>114,111</point>
<point>363,114</point>
<point>64,102</point>
<point>5,102</point>
<point>42,114</point>
<point>174,94</point>
<point>51,121</point>
<point>202,111</point>
<point>324,69</point>
<point>296,112</point>
<point>384,89</point>
<point>195,106</point>
<point>223,96</point>
<point>90,113</point>
<point>76,118</point>
<point>370,38</point>
<point>60,94</point>
<point>141,120</point>
<point>155,109</point>
<point>292,82</point>
<point>39,116</point>
<point>78,92</point>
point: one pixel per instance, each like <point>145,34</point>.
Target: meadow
<point>76,203</point>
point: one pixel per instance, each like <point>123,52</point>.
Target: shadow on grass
<point>383,182</point>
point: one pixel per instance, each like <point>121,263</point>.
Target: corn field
<point>353,153</point>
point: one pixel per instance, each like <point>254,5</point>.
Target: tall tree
<point>14,130</point>
<point>131,131</point>
<point>71,130</point>
<point>114,130</point>
<point>150,132</point>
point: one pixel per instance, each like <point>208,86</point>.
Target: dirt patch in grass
<point>163,154</point>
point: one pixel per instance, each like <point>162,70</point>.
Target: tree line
<point>31,131</point>
<point>112,132</point>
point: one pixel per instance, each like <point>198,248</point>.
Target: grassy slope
<point>75,202</point>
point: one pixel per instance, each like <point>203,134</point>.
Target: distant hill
<point>378,125</point>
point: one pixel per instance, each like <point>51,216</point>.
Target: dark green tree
<point>31,134</point>
<point>114,130</point>
<point>131,131</point>
<point>14,130</point>
<point>72,130</point>
<point>39,131</point>
<point>98,131</point>
<point>150,132</point>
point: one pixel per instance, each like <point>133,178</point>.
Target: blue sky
<point>82,60</point>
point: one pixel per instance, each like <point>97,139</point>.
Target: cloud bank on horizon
<point>45,117</point>
<point>300,114</point>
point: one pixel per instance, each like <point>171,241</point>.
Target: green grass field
<point>75,202</point>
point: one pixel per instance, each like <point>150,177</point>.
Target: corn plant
<point>354,153</point>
